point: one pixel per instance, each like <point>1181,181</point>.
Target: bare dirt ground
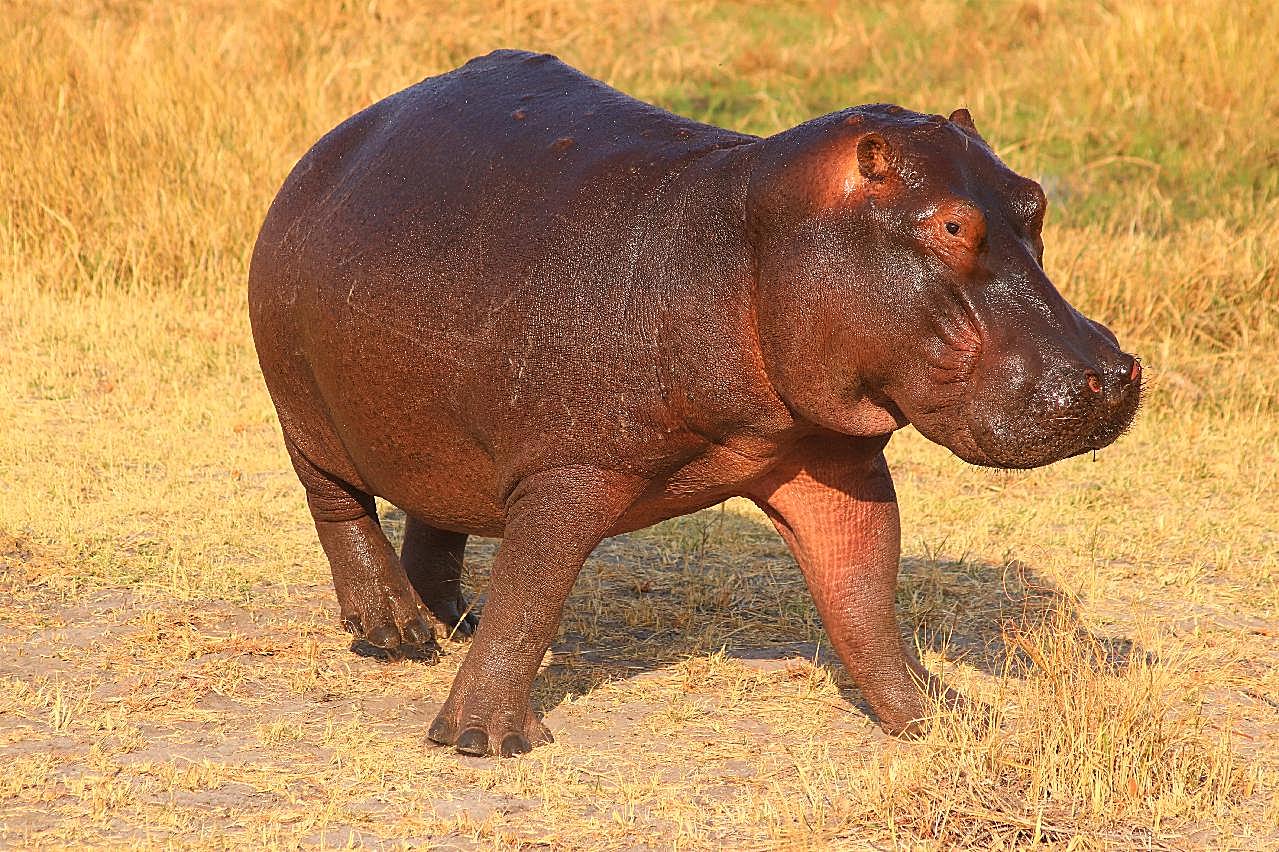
<point>690,694</point>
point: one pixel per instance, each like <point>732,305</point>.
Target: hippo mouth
<point>1035,437</point>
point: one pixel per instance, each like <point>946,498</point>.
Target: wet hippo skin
<point>515,302</point>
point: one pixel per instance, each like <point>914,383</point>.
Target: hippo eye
<point>964,237</point>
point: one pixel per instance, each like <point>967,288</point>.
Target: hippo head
<point>899,279</point>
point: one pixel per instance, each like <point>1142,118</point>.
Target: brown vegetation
<point>173,672</point>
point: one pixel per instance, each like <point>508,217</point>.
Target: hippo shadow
<point>720,581</point>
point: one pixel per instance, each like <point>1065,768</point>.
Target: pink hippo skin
<point>517,303</point>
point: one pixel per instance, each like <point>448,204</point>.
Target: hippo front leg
<point>838,513</point>
<point>554,520</point>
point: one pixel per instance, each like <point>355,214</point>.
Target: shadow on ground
<point>722,581</point>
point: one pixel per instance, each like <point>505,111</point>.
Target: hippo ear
<point>874,157</point>
<point>964,119</point>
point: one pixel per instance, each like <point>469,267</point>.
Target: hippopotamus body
<point>518,303</point>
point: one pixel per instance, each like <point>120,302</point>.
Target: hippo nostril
<point>1094,381</point>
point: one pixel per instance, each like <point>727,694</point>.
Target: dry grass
<point>173,670</point>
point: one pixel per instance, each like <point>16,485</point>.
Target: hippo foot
<point>456,615</point>
<point>914,729</point>
<point>414,640</point>
<point>980,719</point>
<point>913,721</point>
<point>499,733</point>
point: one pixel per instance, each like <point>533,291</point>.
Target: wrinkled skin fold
<point>517,303</point>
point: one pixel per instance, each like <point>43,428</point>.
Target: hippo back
<point>505,249</point>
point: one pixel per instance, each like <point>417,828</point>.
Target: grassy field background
<point>173,671</point>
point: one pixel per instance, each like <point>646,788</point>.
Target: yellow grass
<point>172,668</point>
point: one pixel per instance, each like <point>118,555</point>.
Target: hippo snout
<point>1118,379</point>
<point>1099,377</point>
<point>1039,407</point>
<point>1111,398</point>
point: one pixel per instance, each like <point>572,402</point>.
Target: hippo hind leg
<point>378,604</point>
<point>554,520</point>
<point>432,559</point>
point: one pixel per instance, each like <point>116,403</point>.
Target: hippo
<point>517,303</point>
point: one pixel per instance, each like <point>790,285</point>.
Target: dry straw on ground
<point>173,672</point>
